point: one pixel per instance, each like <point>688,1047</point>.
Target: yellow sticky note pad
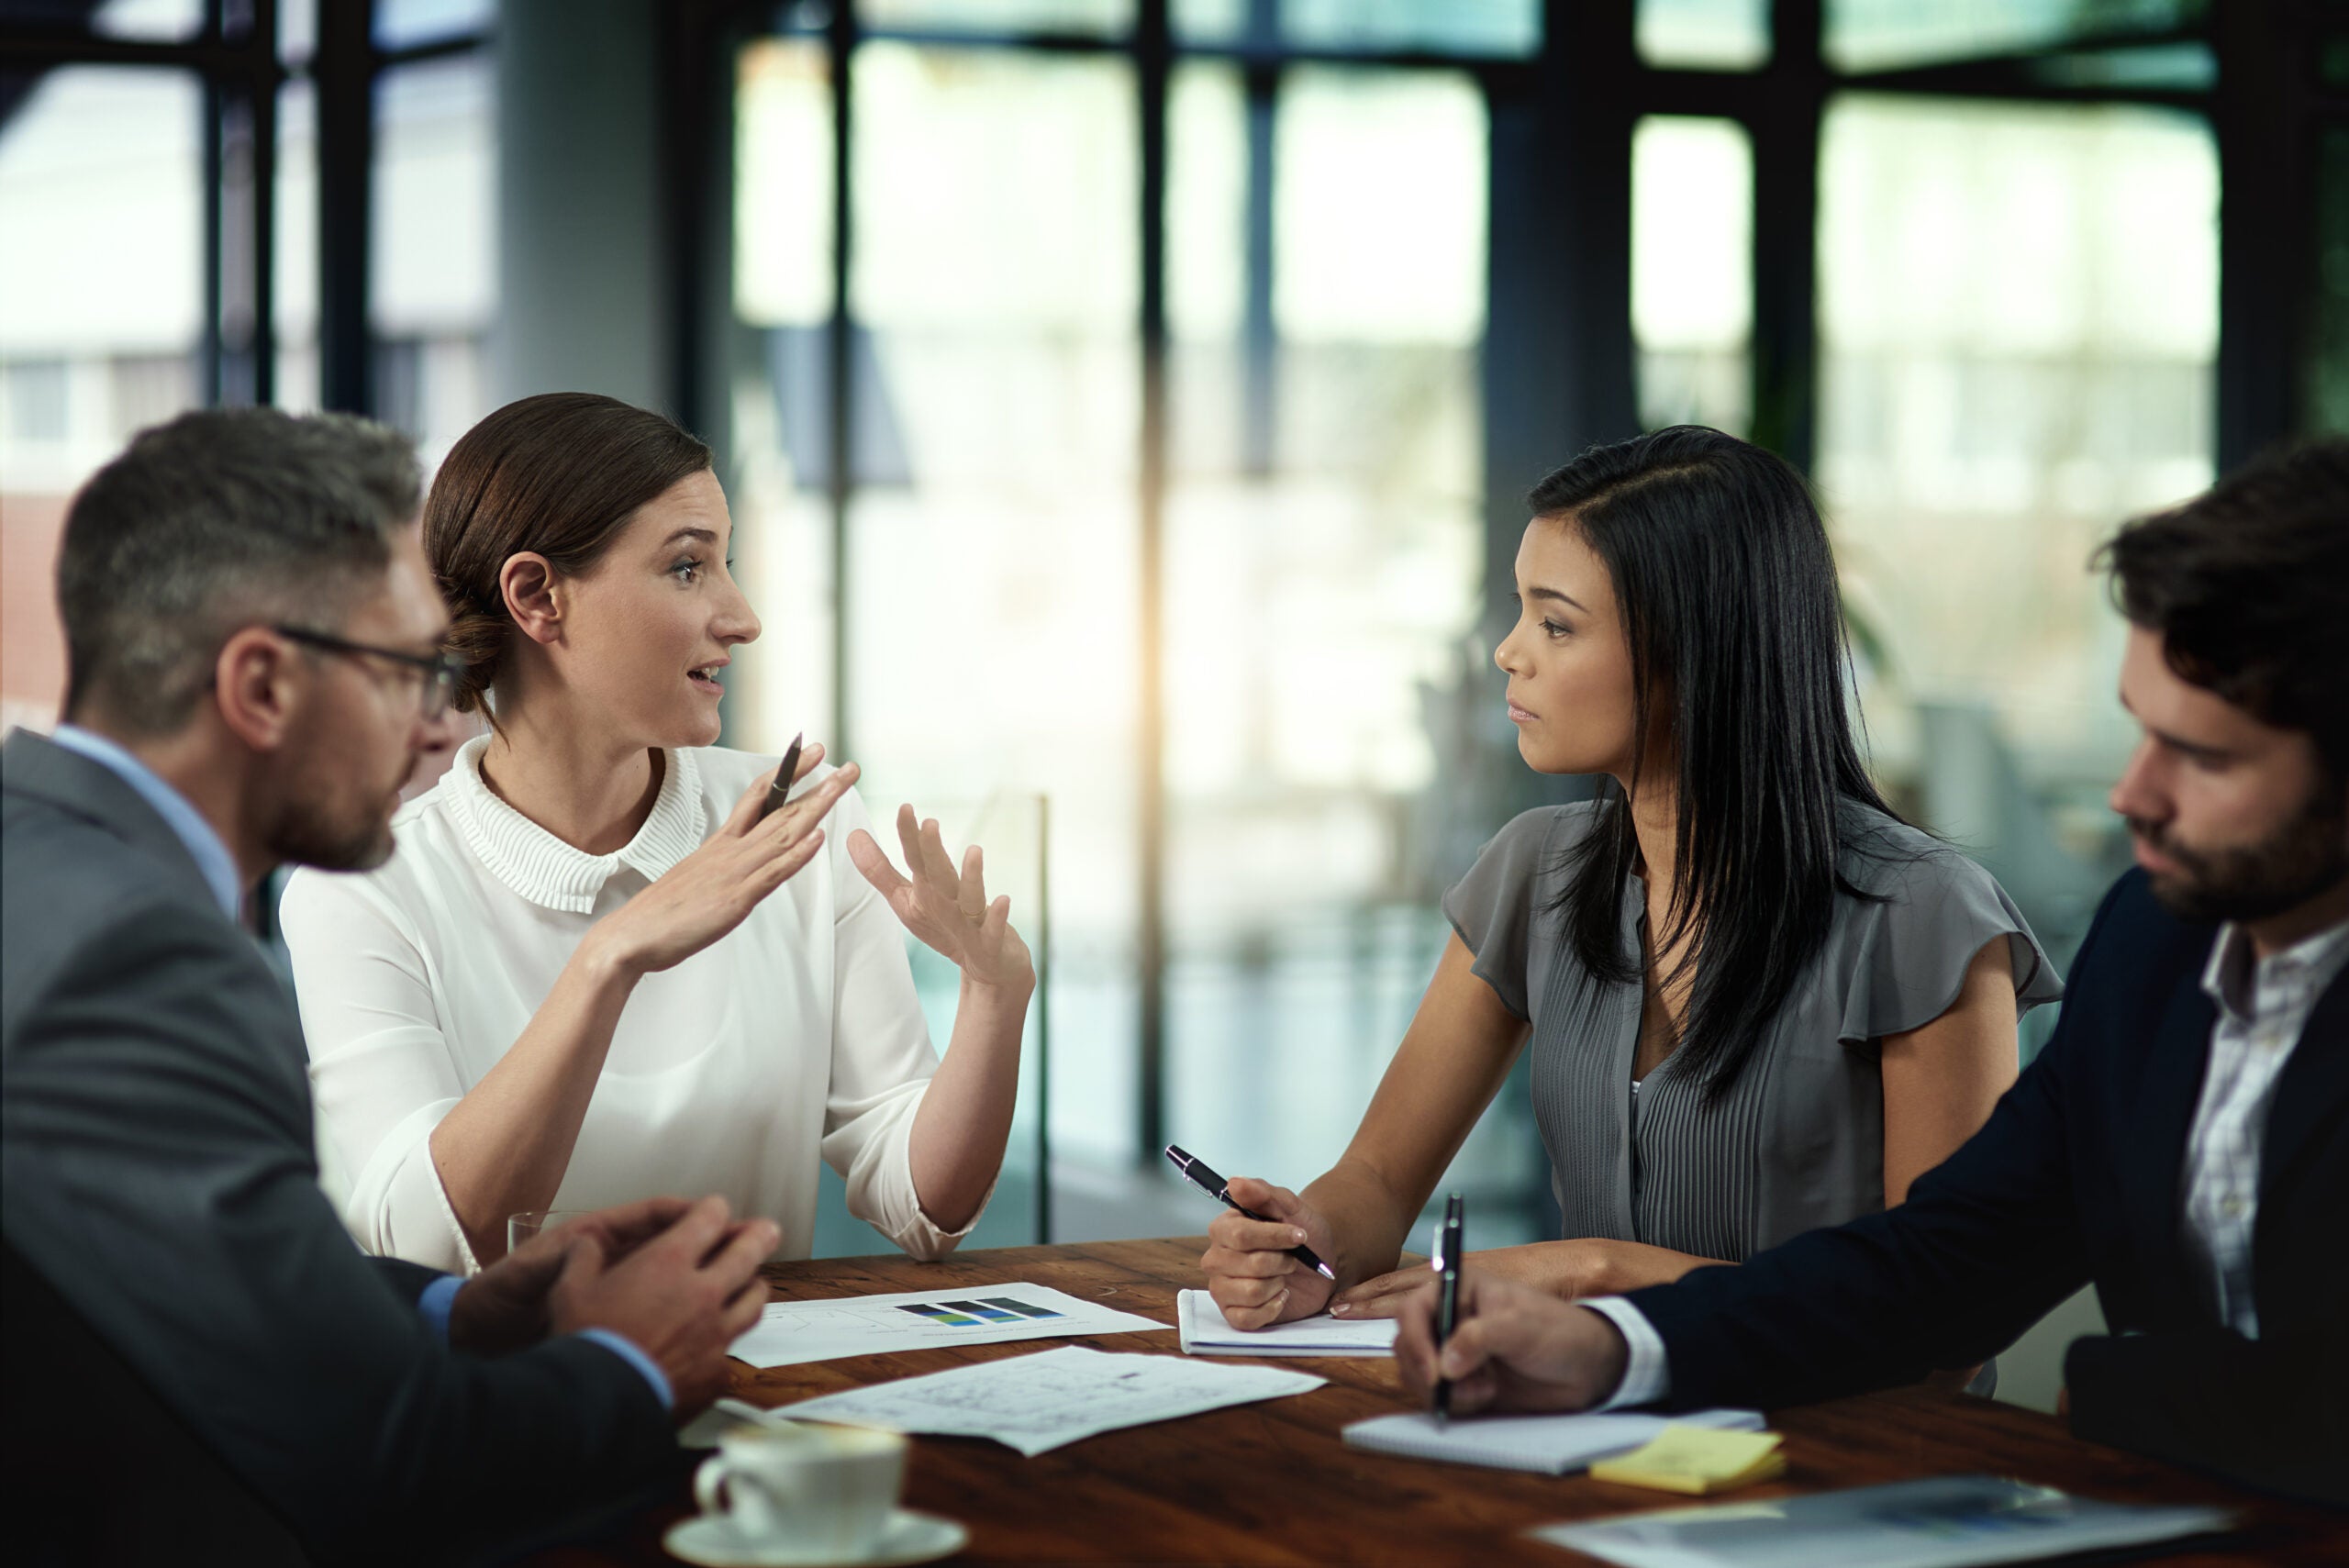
<point>1697,1459</point>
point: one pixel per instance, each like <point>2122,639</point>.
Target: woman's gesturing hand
<point>1249,1270</point>
<point>946,910</point>
<point>714,889</point>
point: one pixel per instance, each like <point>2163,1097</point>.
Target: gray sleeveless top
<point>1797,1142</point>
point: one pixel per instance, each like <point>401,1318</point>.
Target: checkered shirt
<point>2264,1005</point>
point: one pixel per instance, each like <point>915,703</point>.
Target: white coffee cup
<point>824,1491</point>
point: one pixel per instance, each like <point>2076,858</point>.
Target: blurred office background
<point>1127,405</point>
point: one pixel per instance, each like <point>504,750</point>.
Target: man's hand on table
<point>1513,1349</point>
<point>503,1308</point>
<point>681,1291</point>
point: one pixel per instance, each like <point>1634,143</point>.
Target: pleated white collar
<point>541,868</point>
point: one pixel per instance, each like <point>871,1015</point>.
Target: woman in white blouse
<point>591,973</point>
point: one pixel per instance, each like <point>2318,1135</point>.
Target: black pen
<point>780,791</point>
<point>1195,1171</point>
<point>1447,1298</point>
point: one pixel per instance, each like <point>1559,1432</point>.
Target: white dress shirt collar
<point>541,868</point>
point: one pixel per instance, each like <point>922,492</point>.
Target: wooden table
<point>1272,1483</point>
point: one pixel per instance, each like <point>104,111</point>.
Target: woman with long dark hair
<point>1757,1000</point>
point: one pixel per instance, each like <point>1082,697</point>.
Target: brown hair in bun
<point>558,474</point>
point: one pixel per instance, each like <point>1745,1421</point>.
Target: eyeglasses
<point>437,672</point>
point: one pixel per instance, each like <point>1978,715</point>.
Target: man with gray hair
<point>199,1361</point>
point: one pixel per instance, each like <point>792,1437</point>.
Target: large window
<point>1692,272</point>
<point>432,271</point>
<point>164,218</point>
<point>990,568</point>
<point>1127,402</point>
<point>2018,323</point>
<point>101,321</point>
<point>1323,546</point>
<point>1160,454</point>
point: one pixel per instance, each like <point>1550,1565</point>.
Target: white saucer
<point>908,1537</point>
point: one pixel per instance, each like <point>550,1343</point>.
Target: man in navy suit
<point>2183,1142</point>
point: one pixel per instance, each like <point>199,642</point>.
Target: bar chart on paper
<point>790,1332</point>
<point>966,1313</point>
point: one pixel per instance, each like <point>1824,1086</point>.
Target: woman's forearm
<point>1452,1061</point>
<point>1586,1266</point>
<point>504,1147</point>
<point>1369,1219</point>
<point>1610,1268</point>
<point>965,1118</point>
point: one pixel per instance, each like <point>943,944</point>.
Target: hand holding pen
<point>1196,1171</point>
<point>1511,1348</point>
<point>1266,1254</point>
<point>713,890</point>
<point>779,787</point>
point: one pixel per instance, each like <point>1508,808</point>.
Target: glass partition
<point>1326,281</point>
<point>1013,831</point>
<point>988,589</point>
<point>781,390</point>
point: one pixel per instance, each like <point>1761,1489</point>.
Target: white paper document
<point>1550,1445</point>
<point>1949,1522</point>
<point>1207,1332</point>
<point>790,1332</point>
<point>1035,1403</point>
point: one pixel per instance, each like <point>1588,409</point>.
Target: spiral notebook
<point>1550,1445</point>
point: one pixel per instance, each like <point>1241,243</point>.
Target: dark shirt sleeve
<point>406,1279</point>
<point>158,1171</point>
<point>1986,1243</point>
<point>1985,1246</point>
<point>1493,907</point>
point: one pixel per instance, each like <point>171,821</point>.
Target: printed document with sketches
<point>1037,1402</point>
<point>1949,1522</point>
<point>1207,1332</point>
<point>790,1332</point>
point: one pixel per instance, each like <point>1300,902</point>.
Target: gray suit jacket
<point>156,1169</point>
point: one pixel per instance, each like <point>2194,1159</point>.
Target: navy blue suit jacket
<point>2077,1177</point>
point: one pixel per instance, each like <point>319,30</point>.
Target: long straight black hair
<point>1726,586</point>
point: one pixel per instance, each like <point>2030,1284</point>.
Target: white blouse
<point>797,1034</point>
